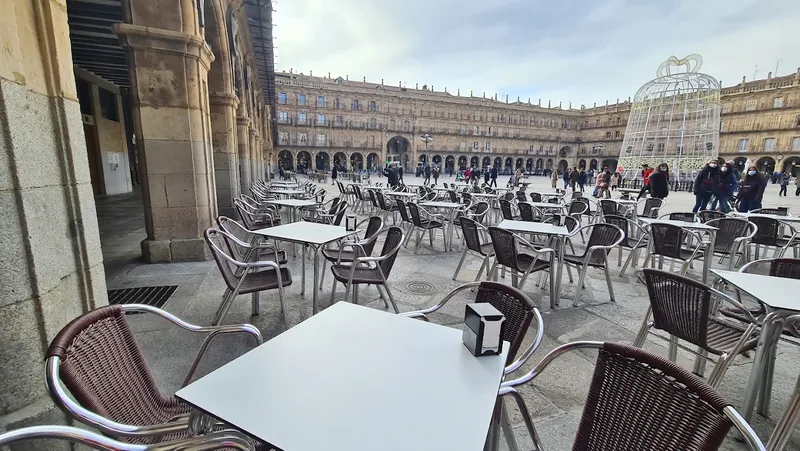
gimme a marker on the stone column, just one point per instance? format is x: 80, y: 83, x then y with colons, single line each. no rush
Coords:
x: 243, y: 132
x: 171, y: 120
x: 253, y: 151
x: 52, y: 267
x: 226, y: 159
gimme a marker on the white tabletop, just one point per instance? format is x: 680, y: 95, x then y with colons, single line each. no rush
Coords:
x: 441, y: 204
x: 357, y: 379
x: 401, y: 194
x: 683, y: 224
x: 296, y: 203
x: 533, y: 227
x: 290, y: 192
x: 778, y: 217
x: 542, y: 205
x: 484, y: 195
x: 306, y: 232
x: 780, y: 293
x: 551, y: 194
x: 628, y: 190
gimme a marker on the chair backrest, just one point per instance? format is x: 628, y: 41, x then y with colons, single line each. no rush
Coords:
x: 372, y: 198
x: 381, y: 200
x: 622, y: 223
x: 682, y: 216
x: 640, y: 401
x: 505, y: 209
x: 681, y: 306
x: 480, y: 209
x: 357, y: 192
x: 667, y: 239
x: 710, y: 215
x: 236, y: 229
x: 466, y: 197
x: 588, y: 205
x: 244, y: 213
x: 401, y: 207
x: 576, y: 207
x: 651, y: 207
x: 521, y: 196
x: 785, y: 267
x: 526, y: 211
x: 217, y: 242
x: 729, y: 229
x: 536, y: 197
x: 104, y: 369
x: 337, y: 220
x: 413, y: 209
x: 505, y: 247
x: 553, y: 200
x: 603, y: 234
x: 576, y: 194
x: 469, y: 228
x: 768, y: 230
x: 334, y: 204
x: 508, y: 196
x: 517, y: 308
x: 609, y: 207
x: 391, y: 247
x: 780, y: 211
x: 374, y: 225
x: 453, y: 196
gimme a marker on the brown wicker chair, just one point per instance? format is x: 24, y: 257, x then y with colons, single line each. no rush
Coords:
x: 638, y: 401
x: 603, y: 238
x: 244, y: 277
x: 629, y: 242
x: 429, y: 223
x: 471, y: 230
x: 732, y: 238
x: 683, y: 308
x: 668, y: 240
x: 347, y: 251
x: 216, y: 440
x: 97, y: 359
x: 259, y: 248
x: 370, y: 270
x: 771, y: 232
x: 520, y: 264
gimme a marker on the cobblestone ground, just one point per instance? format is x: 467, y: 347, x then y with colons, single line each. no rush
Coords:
x: 420, y: 279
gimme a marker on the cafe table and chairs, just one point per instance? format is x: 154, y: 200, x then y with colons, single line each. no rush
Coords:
x: 680, y: 241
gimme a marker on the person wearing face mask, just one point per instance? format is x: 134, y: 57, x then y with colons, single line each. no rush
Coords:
x: 705, y: 184
x: 725, y: 188
x: 659, y: 182
x: 751, y: 190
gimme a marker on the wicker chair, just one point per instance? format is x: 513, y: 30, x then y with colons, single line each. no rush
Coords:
x: 370, y: 270
x: 535, y: 197
x: 259, y: 248
x: 429, y: 223
x: 451, y: 194
x: 732, y: 238
x: 374, y: 201
x: 681, y: 216
x: 667, y: 241
x: 521, y: 196
x: 610, y: 207
x: 602, y: 239
x: 507, y: 209
x: 348, y: 250
x: 95, y: 357
x: 528, y: 212
x: 243, y: 277
x: 630, y: 241
x: 638, y: 401
x: 684, y: 308
x: 652, y: 206
x: 710, y: 215
x: 215, y: 440
x: 521, y: 265
x: 472, y: 230
x: 780, y: 211
x: 589, y: 212
x: 386, y: 208
x: 773, y: 233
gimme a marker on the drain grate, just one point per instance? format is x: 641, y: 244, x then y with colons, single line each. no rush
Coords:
x: 419, y: 287
x: 153, y: 296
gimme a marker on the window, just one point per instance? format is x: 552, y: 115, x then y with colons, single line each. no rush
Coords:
x: 750, y: 105
x: 336, y: 103
x: 608, y: 135
x: 796, y: 143
x: 301, y: 99
x: 302, y: 138
x: 502, y: 118
x: 283, y: 137
x: 726, y: 108
x: 355, y: 104
x: 488, y: 146
x: 489, y: 132
x: 769, y: 143
x: 322, y: 139
x: 616, y: 134
x: 302, y: 118
x: 320, y: 119
x: 722, y: 126
x: 463, y: 130
x: 283, y: 117
x: 373, y: 123
x: 660, y: 148
x: 321, y: 101
x: 108, y: 105
x: 619, y: 119
x: 339, y: 121
x: 777, y: 102
x: 476, y: 130
x: 282, y: 98
x: 597, y: 123
x: 392, y: 124
x: 406, y: 126
x: 744, y: 145
x: 475, y: 145
x: 373, y: 106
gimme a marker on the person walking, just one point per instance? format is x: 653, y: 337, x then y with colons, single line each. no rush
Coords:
x: 797, y: 186
x: 392, y: 176
x: 751, y: 190
x: 646, y: 172
x: 435, y: 174
x: 784, y: 184
x: 554, y: 179
x: 725, y: 188
x: 615, y: 181
x: 705, y: 184
x: 486, y: 176
x: 659, y: 182
x: 573, y: 178
x: 583, y: 178
x: 334, y: 174
x: 400, y: 173
x: 565, y: 176
x: 427, y: 171
x: 493, y: 176
x: 467, y: 175
x: 602, y: 184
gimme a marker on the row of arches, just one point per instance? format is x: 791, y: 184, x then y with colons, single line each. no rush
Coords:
x: 768, y: 164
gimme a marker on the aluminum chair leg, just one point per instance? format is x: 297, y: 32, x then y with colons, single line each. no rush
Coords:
x: 526, y: 417
x: 672, y: 353
x: 569, y: 273
x: 461, y: 262
x: 255, y: 304
x: 627, y: 262
x: 391, y: 298
x: 485, y: 264
x: 608, y: 281
x: 333, y: 290
x: 641, y: 336
x: 579, y: 287
x: 420, y: 235
x: 222, y: 310
x: 322, y: 274
x: 505, y: 425
x: 380, y: 292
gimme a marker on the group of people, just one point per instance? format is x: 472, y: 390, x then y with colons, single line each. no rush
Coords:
x: 475, y: 174
x: 717, y: 183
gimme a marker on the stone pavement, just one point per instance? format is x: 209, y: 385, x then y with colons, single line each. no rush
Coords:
x: 555, y: 399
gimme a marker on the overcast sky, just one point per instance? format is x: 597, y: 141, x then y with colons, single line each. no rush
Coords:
x: 582, y: 51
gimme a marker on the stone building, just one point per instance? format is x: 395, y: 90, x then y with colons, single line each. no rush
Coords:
x: 95, y: 97
x: 324, y: 120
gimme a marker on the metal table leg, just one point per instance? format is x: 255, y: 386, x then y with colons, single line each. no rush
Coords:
x: 303, y: 264
x: 316, y: 278
x: 556, y: 291
x: 773, y: 323
x: 786, y: 425
x: 709, y: 256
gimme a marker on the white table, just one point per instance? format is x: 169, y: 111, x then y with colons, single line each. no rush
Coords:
x: 307, y: 234
x: 547, y: 206
x: 288, y: 192
x: 628, y: 190
x: 708, y: 255
x: 539, y: 228
x: 778, y: 217
x: 453, y: 207
x: 402, y: 194
x: 292, y: 205
x: 778, y: 294
x: 357, y: 379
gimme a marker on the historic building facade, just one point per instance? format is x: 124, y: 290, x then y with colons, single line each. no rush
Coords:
x: 324, y: 121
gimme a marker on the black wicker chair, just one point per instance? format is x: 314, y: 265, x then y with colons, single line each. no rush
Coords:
x: 507, y: 209
x: 472, y: 231
x: 652, y: 206
x: 773, y: 233
x: 386, y: 208
x: 528, y: 212
x: 710, y: 215
x: 632, y: 241
x: 427, y: 224
x: 668, y: 241
x: 732, y: 238
x: 535, y: 197
x: 519, y: 264
x: 349, y: 250
x: 602, y: 239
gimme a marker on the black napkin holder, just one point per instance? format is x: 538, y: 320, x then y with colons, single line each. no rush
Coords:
x: 484, y: 332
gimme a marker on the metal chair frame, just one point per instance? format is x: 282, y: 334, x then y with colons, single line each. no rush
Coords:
x: 423, y: 225
x: 587, y: 256
x: 481, y: 230
x: 738, y: 244
x: 685, y: 235
x: 358, y: 245
x: 642, y: 242
x: 518, y: 278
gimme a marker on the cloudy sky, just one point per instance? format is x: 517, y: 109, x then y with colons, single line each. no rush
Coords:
x: 583, y: 51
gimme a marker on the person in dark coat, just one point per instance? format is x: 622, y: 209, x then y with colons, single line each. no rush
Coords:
x: 334, y: 174
x: 392, y: 176
x: 427, y: 172
x: 486, y: 176
x: 725, y: 188
x: 400, y: 174
x: 565, y: 177
x: 751, y: 190
x: 583, y: 178
x: 493, y: 176
x: 705, y: 184
x: 659, y: 182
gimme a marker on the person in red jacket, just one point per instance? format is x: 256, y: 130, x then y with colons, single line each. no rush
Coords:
x: 646, y: 172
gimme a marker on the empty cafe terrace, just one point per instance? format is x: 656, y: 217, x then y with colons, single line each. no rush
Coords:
x: 341, y: 316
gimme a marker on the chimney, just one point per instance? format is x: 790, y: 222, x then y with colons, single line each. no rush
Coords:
x: 347, y: 77
x: 458, y: 92
x: 517, y: 99
x: 506, y: 98
x: 416, y: 85
x: 559, y: 105
x: 744, y: 78
x: 310, y: 73
x: 365, y: 79
x: 470, y: 93
x: 329, y: 75
x: 570, y: 105
x: 769, y: 76
x: 548, y: 104
x: 495, y: 96
x: 529, y: 100
x: 400, y: 83
x: 540, y: 101
x: 484, y: 94
x: 431, y: 88
x: 381, y: 81
x: 595, y: 105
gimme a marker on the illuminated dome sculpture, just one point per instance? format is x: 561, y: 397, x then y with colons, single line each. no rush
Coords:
x: 674, y: 119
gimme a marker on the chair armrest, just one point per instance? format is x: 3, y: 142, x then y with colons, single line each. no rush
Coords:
x: 536, y: 370
x: 541, y: 250
x: 415, y: 314
x: 532, y: 347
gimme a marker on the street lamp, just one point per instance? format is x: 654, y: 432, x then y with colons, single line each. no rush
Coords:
x: 426, y: 138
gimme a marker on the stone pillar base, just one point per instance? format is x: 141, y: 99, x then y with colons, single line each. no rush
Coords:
x: 188, y: 250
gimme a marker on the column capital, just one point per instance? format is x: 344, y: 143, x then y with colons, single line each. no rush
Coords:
x: 150, y: 39
x: 223, y: 98
x: 243, y: 121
